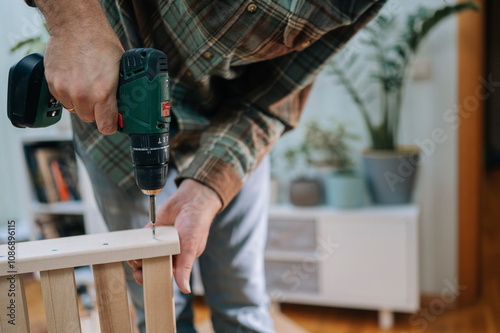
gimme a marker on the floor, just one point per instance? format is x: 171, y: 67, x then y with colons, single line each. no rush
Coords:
x: 482, y: 317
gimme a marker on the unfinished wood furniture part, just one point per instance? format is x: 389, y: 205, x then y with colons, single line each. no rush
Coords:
x: 56, y: 258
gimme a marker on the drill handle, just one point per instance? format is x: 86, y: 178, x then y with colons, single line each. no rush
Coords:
x: 143, y: 93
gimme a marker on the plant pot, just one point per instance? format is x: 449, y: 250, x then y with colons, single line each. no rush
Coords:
x: 391, y: 174
x: 345, y: 190
x: 306, y: 192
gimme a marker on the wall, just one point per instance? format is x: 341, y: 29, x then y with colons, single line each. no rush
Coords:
x: 425, y: 108
x: 17, y: 21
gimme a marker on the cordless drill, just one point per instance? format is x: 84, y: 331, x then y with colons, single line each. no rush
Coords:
x: 143, y: 111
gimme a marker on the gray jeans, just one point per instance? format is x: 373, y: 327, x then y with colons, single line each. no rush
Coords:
x: 232, y: 266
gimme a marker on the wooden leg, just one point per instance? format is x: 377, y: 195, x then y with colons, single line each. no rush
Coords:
x: 159, y: 295
x: 60, y: 301
x: 112, y: 301
x: 385, y: 319
x: 14, y: 316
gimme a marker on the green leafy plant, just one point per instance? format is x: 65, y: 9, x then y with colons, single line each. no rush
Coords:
x: 393, y: 57
x: 324, y: 146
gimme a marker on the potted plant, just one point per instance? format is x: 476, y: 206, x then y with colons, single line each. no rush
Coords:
x: 390, y: 168
x: 326, y: 148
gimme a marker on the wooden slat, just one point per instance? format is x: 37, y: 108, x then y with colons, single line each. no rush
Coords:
x: 60, y: 301
x: 158, y: 295
x: 14, y: 312
x: 470, y: 52
x: 57, y: 253
x: 112, y: 301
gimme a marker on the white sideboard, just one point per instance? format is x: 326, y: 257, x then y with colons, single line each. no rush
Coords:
x: 364, y: 258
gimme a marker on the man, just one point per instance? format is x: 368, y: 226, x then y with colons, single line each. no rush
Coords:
x: 240, y: 74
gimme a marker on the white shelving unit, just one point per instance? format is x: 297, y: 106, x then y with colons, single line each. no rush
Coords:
x: 61, y: 132
x: 68, y: 207
x: 365, y: 258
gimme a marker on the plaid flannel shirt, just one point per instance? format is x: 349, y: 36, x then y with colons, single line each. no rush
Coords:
x: 240, y: 74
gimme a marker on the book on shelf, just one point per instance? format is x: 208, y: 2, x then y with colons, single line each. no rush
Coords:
x: 61, y: 184
x: 53, y: 171
x: 43, y: 158
x: 59, y: 225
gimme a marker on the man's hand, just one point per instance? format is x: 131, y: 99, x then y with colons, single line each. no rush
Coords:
x: 82, y: 60
x: 191, y: 209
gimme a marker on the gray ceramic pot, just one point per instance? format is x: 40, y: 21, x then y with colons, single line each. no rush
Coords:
x: 391, y: 174
x: 306, y: 192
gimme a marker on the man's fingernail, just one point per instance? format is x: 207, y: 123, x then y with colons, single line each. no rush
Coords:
x: 187, y: 286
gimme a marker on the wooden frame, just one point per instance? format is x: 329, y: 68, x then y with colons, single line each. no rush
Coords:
x: 55, y: 259
x: 471, y: 62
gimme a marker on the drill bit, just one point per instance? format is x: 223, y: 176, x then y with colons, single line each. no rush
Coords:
x: 152, y: 213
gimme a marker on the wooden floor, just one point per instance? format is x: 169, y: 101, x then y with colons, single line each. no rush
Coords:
x: 482, y: 317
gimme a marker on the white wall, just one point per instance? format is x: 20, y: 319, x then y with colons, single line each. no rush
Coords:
x: 425, y: 104
x: 17, y: 21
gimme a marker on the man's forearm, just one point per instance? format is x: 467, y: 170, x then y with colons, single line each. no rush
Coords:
x: 61, y: 14
x: 82, y: 60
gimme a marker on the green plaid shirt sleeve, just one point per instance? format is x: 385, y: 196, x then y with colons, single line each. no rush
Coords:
x: 240, y: 74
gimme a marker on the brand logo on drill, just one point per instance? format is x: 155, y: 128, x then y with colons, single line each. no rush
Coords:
x: 165, y: 108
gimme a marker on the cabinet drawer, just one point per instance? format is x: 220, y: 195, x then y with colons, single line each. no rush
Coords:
x: 371, y: 262
x: 292, y: 276
x: 291, y: 235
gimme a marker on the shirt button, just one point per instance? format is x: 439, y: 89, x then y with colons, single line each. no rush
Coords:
x: 208, y: 55
x: 189, y: 74
x: 252, y: 8
x: 306, y: 44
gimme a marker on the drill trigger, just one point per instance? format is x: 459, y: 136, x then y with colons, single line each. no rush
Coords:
x: 120, y: 120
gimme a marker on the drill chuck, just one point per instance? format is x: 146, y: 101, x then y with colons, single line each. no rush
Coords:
x: 150, y: 155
